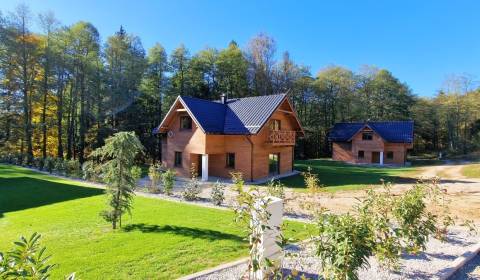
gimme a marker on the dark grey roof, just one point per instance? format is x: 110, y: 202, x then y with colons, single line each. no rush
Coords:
x: 238, y: 116
x: 390, y: 131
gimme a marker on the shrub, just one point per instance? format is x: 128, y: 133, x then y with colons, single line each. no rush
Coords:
x: 60, y: 167
x: 192, y: 190
x: 38, y: 163
x: 311, y: 180
x: 218, y: 193
x: 276, y: 189
x: 27, y: 261
x: 168, y: 180
x: 415, y: 223
x: 155, y: 177
x: 382, y: 225
x: 73, y: 168
x: 49, y: 164
x: 344, y: 245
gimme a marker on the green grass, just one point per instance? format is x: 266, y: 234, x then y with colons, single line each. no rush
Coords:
x: 161, y: 240
x: 336, y: 175
x: 471, y: 171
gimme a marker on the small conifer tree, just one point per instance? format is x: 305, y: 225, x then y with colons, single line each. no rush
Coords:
x: 117, y: 165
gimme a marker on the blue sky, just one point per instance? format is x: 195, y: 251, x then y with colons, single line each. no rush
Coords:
x: 421, y: 42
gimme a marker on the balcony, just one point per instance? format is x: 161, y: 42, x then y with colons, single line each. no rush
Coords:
x: 281, y: 137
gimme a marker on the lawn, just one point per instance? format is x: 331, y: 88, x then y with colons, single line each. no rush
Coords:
x: 471, y: 171
x: 161, y: 240
x: 336, y: 175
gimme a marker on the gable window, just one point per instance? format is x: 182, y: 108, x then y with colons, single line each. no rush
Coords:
x: 185, y: 123
x: 367, y: 136
x: 275, y: 125
x: 389, y: 155
x: 361, y: 154
x: 178, y: 159
x: 230, y: 160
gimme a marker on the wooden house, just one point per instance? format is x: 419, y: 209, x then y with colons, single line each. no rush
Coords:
x: 253, y: 135
x: 372, y: 142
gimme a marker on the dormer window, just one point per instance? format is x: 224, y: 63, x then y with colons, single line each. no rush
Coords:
x: 185, y: 123
x: 275, y: 125
x: 367, y: 136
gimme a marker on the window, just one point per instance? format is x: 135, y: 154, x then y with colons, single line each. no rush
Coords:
x: 185, y: 123
x: 367, y: 136
x: 361, y: 154
x: 275, y: 125
x: 389, y: 155
x: 230, y: 160
x: 178, y: 159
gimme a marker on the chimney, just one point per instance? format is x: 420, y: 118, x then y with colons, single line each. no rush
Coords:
x: 223, y: 98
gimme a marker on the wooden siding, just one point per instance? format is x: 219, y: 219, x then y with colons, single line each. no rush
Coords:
x: 194, y: 142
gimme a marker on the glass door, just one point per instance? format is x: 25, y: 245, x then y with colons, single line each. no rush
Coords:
x: 273, y: 164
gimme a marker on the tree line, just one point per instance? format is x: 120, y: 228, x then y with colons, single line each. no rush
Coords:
x: 63, y: 91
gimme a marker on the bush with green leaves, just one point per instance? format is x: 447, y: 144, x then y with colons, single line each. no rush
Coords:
x: 73, y: 168
x: 344, y: 245
x: 49, y: 164
x: 168, y: 181
x: 276, y: 188
x: 192, y: 190
x: 27, y: 260
x: 383, y: 225
x: 38, y: 163
x: 218, y: 193
x: 60, y: 166
x: 155, y: 176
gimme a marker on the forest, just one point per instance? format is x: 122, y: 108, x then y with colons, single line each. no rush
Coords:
x: 63, y: 90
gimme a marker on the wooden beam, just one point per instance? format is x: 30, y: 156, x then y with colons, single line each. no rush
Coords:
x: 181, y: 110
x: 285, y: 111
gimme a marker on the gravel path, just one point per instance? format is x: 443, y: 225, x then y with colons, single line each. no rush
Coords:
x: 427, y: 265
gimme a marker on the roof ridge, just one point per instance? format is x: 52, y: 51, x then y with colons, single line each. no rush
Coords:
x: 201, y: 99
x: 257, y: 96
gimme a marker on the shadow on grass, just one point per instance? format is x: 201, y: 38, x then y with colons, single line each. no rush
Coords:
x: 185, y: 231
x: 19, y: 193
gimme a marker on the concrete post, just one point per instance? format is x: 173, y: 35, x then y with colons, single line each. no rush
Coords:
x: 381, y: 158
x: 205, y: 167
x: 268, y: 248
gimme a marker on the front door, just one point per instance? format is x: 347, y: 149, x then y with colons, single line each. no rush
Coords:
x: 375, y: 157
x: 273, y: 164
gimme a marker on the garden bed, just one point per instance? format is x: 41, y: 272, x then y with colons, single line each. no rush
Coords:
x: 434, y: 263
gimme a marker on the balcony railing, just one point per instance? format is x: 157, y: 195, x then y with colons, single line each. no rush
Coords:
x: 281, y: 137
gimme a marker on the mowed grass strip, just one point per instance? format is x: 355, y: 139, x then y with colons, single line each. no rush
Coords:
x: 161, y: 240
x: 337, y: 176
x: 471, y: 171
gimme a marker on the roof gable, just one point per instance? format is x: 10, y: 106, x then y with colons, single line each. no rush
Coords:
x: 390, y: 131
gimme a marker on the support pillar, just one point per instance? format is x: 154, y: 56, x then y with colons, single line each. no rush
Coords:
x: 381, y: 158
x: 205, y: 167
